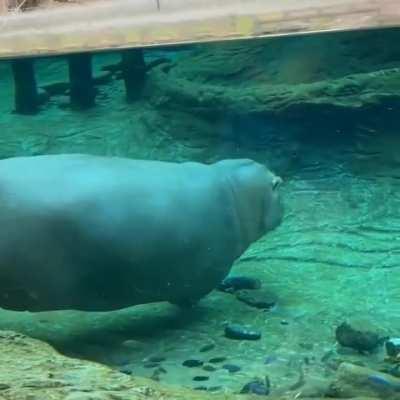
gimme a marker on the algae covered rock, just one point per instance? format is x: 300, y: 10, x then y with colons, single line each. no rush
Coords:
x: 288, y: 78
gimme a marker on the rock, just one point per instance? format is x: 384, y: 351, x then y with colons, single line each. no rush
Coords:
x: 201, y: 378
x: 31, y: 369
x: 209, y: 368
x: 207, y: 347
x: 192, y: 363
x: 353, y: 380
x: 232, y: 368
x: 362, y: 341
x: 393, y: 347
x: 257, y: 387
x: 270, y: 88
x: 234, y: 283
x: 240, y: 332
x: 216, y: 360
x: 256, y: 299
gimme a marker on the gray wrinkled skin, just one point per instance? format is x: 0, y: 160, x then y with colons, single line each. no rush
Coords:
x: 100, y: 233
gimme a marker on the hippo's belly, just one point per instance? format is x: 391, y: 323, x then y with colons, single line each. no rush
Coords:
x: 108, y: 238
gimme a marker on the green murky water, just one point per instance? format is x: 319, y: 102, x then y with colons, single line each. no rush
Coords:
x: 321, y: 112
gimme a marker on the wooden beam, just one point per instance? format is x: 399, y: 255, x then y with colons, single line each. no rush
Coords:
x: 112, y: 24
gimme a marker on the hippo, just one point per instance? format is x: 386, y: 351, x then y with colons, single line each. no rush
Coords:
x: 97, y: 233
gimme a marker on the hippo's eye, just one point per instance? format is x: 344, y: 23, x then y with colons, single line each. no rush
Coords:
x: 276, y: 182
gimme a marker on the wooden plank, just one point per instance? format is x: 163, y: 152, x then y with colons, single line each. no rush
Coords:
x: 113, y: 24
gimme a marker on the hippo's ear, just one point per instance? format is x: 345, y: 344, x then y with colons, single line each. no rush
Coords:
x: 276, y: 182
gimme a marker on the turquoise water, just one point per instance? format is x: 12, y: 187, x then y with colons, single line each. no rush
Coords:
x: 319, y: 111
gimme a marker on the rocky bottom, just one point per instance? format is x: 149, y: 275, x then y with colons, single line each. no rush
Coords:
x: 31, y: 369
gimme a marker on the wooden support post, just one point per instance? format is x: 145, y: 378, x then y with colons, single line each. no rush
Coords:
x: 82, y: 91
x: 133, y: 73
x: 26, y: 93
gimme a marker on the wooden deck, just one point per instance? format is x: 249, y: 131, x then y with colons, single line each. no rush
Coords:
x: 92, y: 25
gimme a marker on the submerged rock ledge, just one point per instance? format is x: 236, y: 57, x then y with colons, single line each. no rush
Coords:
x: 32, y: 369
x: 351, y: 92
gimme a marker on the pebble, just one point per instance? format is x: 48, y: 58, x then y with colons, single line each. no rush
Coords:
x: 256, y: 299
x: 257, y: 387
x: 232, y: 368
x: 217, y: 360
x: 209, y: 368
x: 240, y: 332
x: 201, y: 378
x: 192, y: 363
x: 207, y: 347
x: 234, y: 283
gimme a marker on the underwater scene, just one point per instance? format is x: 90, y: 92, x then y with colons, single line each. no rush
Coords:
x: 211, y: 221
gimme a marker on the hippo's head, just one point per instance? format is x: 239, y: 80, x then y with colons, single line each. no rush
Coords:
x: 256, y: 198
x: 273, y: 211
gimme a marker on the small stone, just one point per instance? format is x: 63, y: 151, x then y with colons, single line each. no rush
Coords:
x: 209, y: 368
x: 201, y: 378
x: 234, y: 283
x: 200, y: 388
x: 207, y: 347
x: 217, y: 360
x: 257, y: 387
x: 256, y: 299
x: 232, y: 368
x: 240, y: 332
x: 192, y: 363
x: 284, y: 322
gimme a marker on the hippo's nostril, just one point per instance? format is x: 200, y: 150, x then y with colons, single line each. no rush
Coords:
x: 276, y: 182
